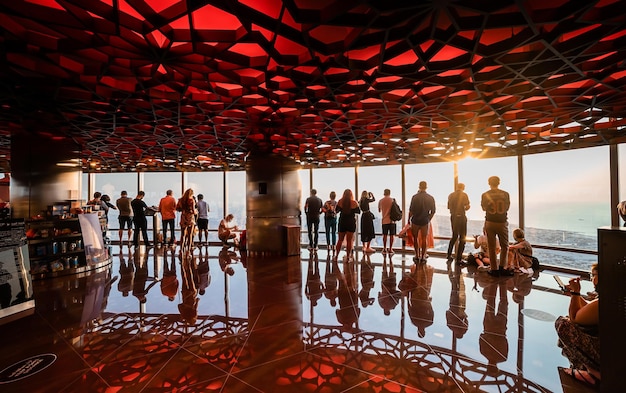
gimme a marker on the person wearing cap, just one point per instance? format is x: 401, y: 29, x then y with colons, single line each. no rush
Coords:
x: 421, y: 211
x: 458, y: 203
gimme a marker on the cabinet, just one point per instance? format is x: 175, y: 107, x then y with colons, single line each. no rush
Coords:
x: 66, y: 244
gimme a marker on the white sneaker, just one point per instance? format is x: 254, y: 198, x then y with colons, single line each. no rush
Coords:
x: 530, y: 271
x: 483, y: 267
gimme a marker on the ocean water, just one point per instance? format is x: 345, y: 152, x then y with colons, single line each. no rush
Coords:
x: 582, y: 218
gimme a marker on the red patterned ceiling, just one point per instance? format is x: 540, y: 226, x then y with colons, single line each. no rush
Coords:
x: 173, y: 84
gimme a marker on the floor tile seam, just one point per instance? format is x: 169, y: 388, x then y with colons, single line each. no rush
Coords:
x: 263, y: 364
x: 67, y: 343
x: 251, y: 327
x: 157, y: 372
x: 374, y: 376
x: 80, y: 376
x: 240, y: 380
x: 126, y: 342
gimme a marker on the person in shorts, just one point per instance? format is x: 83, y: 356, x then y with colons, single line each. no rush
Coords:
x: 125, y: 218
x: 203, y: 219
x: 389, y: 226
x: 421, y: 211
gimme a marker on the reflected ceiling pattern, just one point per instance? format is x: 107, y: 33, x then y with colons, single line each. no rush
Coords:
x: 217, y: 340
x: 180, y: 85
x: 262, y: 329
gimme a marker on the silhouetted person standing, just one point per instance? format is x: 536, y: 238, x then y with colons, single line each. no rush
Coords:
x: 139, y: 218
x: 496, y: 203
x: 421, y: 211
x: 125, y: 217
x: 458, y: 203
x: 312, y: 209
x: 167, y: 207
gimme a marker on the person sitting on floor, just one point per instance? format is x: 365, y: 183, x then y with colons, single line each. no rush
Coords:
x: 579, y: 336
x: 520, y: 253
x: 225, y: 231
x: 481, y: 258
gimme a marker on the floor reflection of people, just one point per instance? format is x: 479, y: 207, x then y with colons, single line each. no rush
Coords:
x: 331, y: 281
x: 367, y: 281
x: 493, y: 341
x: 420, y: 303
x: 169, y: 282
x: 520, y: 286
x: 188, y: 308
x: 314, y: 288
x: 389, y: 295
x: 127, y: 273
x: 226, y: 259
x: 204, y: 272
x: 456, y: 317
x: 140, y: 291
x: 348, y: 312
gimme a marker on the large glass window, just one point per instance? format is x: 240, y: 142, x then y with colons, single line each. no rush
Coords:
x: 84, y: 187
x: 236, y: 201
x: 155, y: 184
x: 336, y: 179
x: 621, y: 152
x: 440, y: 180
x: 474, y: 173
x: 305, y: 189
x: 305, y: 192
x: 567, y: 197
x: 375, y: 179
x: 112, y: 184
x: 211, y: 186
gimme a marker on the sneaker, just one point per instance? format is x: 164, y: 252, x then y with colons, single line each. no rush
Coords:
x: 530, y: 271
x: 483, y: 268
x: 390, y: 251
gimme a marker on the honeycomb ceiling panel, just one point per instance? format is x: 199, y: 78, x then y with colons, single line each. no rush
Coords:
x: 178, y: 85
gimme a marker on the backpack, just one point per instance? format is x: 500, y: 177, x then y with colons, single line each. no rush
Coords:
x: 395, y: 214
x: 535, y: 265
x: 535, y: 262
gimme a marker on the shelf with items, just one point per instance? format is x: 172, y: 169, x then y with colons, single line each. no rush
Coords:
x: 57, y: 245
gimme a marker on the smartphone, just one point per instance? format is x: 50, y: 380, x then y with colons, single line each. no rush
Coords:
x: 560, y: 283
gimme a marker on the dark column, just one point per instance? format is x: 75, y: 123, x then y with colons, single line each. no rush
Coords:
x: 273, y: 203
x: 44, y: 170
x: 612, y: 304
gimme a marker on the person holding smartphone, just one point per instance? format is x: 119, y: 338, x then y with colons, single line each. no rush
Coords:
x: 579, y: 335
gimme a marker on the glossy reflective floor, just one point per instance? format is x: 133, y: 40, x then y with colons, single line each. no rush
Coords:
x: 220, y: 322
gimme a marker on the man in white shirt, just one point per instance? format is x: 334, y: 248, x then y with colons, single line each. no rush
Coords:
x: 389, y: 226
x: 203, y: 219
